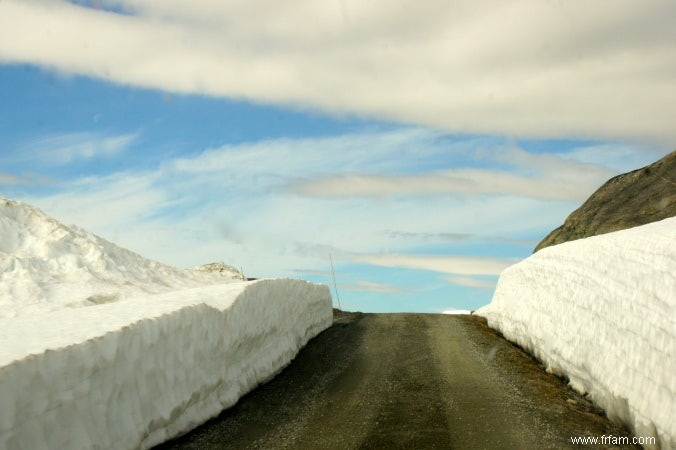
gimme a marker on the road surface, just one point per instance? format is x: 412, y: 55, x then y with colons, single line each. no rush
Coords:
x: 406, y: 381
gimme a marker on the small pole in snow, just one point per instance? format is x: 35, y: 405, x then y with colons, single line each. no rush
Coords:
x: 335, y: 286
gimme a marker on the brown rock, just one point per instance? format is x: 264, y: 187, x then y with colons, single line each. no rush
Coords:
x: 625, y: 201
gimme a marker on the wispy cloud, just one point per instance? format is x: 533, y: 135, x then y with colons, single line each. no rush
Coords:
x: 375, y: 150
x: 107, y: 203
x: 318, y: 273
x: 617, y: 157
x: 541, y: 176
x: 370, y: 286
x: 435, y: 237
x: 472, y: 282
x: 9, y: 179
x: 68, y: 148
x: 28, y: 179
x: 465, y: 182
x: 521, y: 67
x: 232, y: 203
x: 463, y: 265
x: 457, y: 237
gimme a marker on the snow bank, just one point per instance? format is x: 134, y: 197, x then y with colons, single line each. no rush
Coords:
x: 102, y: 348
x: 132, y: 374
x: 601, y: 312
x: 456, y: 311
x: 46, y: 266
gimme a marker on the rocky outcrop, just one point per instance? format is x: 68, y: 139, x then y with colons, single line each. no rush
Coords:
x: 625, y: 201
x: 220, y: 268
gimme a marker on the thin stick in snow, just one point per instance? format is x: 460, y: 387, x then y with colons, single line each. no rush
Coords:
x: 335, y: 286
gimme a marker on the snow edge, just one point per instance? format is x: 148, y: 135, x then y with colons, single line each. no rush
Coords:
x: 156, y: 377
x: 599, y: 311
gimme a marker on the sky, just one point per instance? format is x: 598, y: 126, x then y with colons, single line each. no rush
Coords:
x: 415, y: 150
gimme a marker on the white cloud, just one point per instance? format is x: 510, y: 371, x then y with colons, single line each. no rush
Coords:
x: 327, y: 274
x: 106, y: 204
x: 472, y: 282
x: 458, y: 237
x: 540, y: 176
x: 370, y: 286
x: 619, y: 158
x: 376, y: 150
x: 232, y: 204
x: 522, y: 67
x: 463, y: 265
x: 467, y: 182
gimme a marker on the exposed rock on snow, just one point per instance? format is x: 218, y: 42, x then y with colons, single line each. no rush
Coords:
x: 157, y: 352
x: 628, y: 200
x: 601, y: 312
x: 220, y: 268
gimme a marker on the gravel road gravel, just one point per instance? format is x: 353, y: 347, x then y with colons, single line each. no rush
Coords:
x: 406, y: 381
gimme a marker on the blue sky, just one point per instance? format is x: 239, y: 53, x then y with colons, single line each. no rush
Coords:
x: 425, y: 150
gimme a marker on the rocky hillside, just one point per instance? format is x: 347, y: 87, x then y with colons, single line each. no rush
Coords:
x: 628, y: 200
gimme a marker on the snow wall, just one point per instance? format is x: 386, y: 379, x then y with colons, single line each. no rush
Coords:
x: 134, y: 373
x: 601, y: 312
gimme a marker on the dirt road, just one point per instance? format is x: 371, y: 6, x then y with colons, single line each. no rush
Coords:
x: 406, y: 381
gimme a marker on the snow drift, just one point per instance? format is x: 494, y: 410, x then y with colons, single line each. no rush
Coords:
x: 166, y: 351
x: 600, y: 311
x: 46, y: 265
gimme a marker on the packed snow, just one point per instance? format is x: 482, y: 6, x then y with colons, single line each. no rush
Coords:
x: 452, y: 311
x: 102, y: 348
x: 600, y: 311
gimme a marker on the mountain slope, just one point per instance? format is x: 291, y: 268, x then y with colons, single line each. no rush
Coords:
x: 46, y: 265
x: 635, y: 198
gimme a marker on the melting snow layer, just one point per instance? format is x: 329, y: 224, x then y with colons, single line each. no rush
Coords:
x: 167, y: 351
x: 601, y: 312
